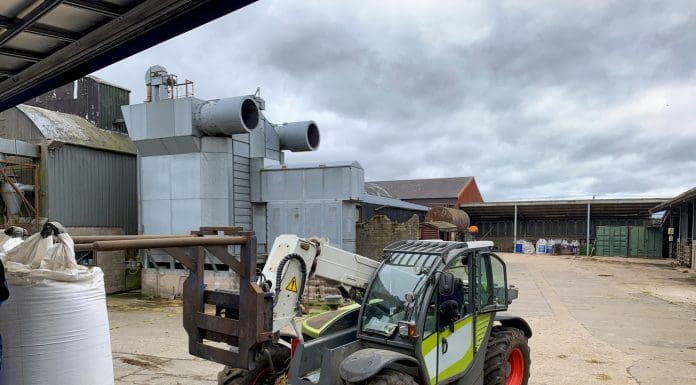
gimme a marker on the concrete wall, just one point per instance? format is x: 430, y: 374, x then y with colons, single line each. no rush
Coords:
x: 169, y: 283
x: 374, y: 235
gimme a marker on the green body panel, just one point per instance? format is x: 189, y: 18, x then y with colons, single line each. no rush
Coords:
x: 482, y: 323
x: 430, y: 345
x: 315, y: 326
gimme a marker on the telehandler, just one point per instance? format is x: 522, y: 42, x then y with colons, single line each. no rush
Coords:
x: 430, y: 313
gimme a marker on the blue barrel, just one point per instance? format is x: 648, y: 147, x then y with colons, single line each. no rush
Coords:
x: 518, y: 247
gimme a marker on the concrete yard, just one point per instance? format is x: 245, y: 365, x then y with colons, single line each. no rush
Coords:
x: 596, y: 321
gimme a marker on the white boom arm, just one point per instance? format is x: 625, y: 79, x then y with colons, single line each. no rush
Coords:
x: 337, y: 266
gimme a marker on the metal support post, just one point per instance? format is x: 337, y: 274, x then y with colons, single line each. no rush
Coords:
x: 588, y: 231
x: 514, y: 231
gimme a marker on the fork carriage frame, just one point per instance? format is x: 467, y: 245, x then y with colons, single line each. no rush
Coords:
x: 246, y: 339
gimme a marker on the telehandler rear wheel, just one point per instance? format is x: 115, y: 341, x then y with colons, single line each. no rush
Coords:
x: 391, y: 377
x: 507, y: 357
x: 262, y: 375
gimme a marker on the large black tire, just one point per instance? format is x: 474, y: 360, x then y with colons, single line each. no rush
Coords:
x: 391, y: 377
x: 261, y: 375
x: 507, y: 350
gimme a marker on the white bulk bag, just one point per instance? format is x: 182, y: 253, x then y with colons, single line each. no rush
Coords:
x: 54, y: 326
x: 8, y: 243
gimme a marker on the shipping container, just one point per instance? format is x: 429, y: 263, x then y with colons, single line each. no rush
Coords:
x: 612, y: 241
x: 645, y: 242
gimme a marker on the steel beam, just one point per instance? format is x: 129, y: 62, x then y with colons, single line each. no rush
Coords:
x: 78, y: 239
x: 40, y: 29
x: 20, y: 54
x: 160, y: 243
x: 100, y: 7
x: 26, y: 21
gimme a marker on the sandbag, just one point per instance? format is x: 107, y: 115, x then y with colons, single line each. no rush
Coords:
x: 54, y: 326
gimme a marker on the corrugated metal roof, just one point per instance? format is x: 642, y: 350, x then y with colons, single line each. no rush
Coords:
x: 102, y: 81
x: 681, y: 198
x: 44, y: 44
x: 391, y: 202
x: 418, y: 188
x: 72, y: 129
x: 604, y: 208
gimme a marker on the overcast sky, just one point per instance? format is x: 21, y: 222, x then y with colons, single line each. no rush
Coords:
x: 534, y: 99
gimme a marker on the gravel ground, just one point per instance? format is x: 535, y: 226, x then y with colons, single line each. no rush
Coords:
x: 606, y: 321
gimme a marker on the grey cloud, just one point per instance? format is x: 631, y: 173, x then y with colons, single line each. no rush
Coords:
x: 523, y: 96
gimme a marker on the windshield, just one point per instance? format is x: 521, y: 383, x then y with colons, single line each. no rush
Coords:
x: 402, y: 276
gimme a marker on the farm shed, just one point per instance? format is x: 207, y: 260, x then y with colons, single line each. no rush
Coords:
x: 507, y: 222
x: 678, y: 216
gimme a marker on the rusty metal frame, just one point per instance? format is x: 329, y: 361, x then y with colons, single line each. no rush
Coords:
x: 242, y: 319
x: 35, y: 207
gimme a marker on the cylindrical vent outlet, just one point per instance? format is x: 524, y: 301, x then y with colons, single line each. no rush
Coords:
x: 299, y: 136
x: 228, y: 116
x: 445, y: 214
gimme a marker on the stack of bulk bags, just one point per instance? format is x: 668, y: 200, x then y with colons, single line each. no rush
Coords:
x: 54, y: 326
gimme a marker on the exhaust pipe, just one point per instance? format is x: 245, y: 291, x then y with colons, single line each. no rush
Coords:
x: 299, y: 136
x: 228, y: 116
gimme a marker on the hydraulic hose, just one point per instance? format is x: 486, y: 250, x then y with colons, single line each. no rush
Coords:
x: 279, y: 275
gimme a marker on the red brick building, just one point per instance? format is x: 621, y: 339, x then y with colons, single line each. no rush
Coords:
x: 448, y: 192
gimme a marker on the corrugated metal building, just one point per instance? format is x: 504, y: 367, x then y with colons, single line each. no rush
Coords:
x: 90, y: 174
x: 90, y: 97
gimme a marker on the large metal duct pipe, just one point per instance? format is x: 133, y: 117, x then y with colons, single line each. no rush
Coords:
x: 228, y: 116
x: 299, y: 136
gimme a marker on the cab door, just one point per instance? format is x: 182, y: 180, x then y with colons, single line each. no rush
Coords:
x: 490, y: 293
x: 447, y: 345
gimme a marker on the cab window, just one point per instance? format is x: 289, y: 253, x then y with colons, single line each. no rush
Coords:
x: 491, y: 284
x: 459, y: 267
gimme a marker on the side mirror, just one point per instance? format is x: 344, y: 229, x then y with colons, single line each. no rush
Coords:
x: 446, y: 284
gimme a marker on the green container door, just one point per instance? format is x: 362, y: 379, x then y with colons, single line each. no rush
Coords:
x: 612, y: 241
x: 653, y: 248
x: 619, y: 241
x: 645, y: 242
x: 603, y: 241
x: 637, y: 241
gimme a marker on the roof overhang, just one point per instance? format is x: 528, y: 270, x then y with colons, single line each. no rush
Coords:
x: 563, y: 209
x: 57, y: 47
x: 678, y: 200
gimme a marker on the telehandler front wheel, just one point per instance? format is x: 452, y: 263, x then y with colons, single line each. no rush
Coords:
x: 507, y: 357
x: 391, y: 377
x: 263, y: 374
